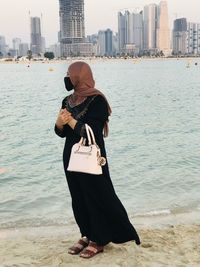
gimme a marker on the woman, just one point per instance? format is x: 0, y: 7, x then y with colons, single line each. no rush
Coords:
x: 98, y: 212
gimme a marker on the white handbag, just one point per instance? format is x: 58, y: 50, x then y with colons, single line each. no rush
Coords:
x: 86, y: 159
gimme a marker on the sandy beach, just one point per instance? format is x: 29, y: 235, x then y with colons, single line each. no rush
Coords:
x: 103, y: 59
x: 171, y: 246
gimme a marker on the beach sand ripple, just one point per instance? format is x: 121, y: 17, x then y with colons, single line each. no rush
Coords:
x: 172, y: 246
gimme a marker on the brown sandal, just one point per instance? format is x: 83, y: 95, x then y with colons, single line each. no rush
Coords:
x: 91, y: 250
x: 78, y: 247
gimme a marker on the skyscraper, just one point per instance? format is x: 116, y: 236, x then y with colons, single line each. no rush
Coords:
x: 16, y: 43
x: 130, y: 30
x: 163, y: 32
x: 23, y: 49
x: 43, y: 44
x: 109, y: 42
x: 101, y: 43
x: 137, y: 35
x: 128, y: 27
x: 193, y: 38
x: 150, y: 26
x: 72, y: 24
x: 36, y: 37
x: 180, y: 36
x: 2, y: 46
x: 72, y: 29
x: 121, y: 30
x: 105, y: 42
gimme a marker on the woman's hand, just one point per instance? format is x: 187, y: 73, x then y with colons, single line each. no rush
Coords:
x: 64, y: 117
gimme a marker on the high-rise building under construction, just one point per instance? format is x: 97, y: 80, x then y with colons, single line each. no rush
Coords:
x: 72, y: 26
x: 72, y: 29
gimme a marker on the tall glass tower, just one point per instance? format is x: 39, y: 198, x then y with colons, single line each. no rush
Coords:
x: 72, y: 24
x: 36, y: 38
x: 150, y: 26
x: 163, y: 31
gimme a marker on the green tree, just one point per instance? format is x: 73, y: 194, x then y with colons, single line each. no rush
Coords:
x: 49, y: 55
x: 29, y: 54
x: 162, y: 54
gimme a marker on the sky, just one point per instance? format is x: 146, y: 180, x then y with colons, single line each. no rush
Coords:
x: 99, y: 15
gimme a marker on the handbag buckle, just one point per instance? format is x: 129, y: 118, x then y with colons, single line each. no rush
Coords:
x: 101, y: 160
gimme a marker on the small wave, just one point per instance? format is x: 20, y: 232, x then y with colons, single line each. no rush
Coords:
x: 193, y: 206
x: 153, y: 213
x: 38, y: 222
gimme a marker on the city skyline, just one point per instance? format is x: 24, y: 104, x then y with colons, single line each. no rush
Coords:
x: 14, y: 21
x: 146, y: 32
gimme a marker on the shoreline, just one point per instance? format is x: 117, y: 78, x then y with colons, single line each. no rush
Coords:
x: 151, y: 220
x: 171, y: 246
x: 59, y: 61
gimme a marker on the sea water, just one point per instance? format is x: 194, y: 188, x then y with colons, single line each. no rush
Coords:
x: 153, y: 146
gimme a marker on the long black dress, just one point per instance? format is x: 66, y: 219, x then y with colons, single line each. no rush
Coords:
x: 97, y: 210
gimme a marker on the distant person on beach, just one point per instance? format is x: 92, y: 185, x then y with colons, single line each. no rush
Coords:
x: 98, y: 211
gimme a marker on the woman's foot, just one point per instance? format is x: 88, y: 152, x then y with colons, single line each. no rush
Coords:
x: 79, y: 246
x: 91, y: 250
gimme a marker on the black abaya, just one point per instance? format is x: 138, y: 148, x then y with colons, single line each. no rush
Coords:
x: 98, y: 211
